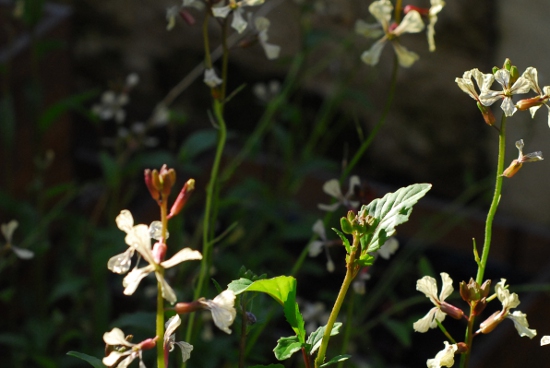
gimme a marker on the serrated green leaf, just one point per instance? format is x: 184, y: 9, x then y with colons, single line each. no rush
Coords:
x: 94, y: 362
x: 314, y: 339
x: 286, y: 346
x: 391, y: 210
x: 336, y: 359
x: 344, y: 239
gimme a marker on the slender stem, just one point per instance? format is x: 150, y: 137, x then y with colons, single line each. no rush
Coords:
x: 494, y: 203
x: 351, y: 271
x: 207, y: 221
x: 206, y: 40
x: 465, y: 358
x: 160, y: 300
x: 445, y: 332
x: 306, y: 358
x: 242, y: 342
x: 225, y: 62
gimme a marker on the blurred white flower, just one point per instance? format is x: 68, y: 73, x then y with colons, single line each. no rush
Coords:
x: 236, y: 7
x: 444, y: 358
x: 111, y: 106
x: 262, y: 26
x: 170, y: 339
x: 317, y: 246
x: 7, y: 231
x: 315, y: 315
x: 265, y: 92
x: 211, y: 79
x: 389, y: 248
x: 545, y: 340
x: 435, y: 8
x: 124, y: 348
x: 411, y: 23
x: 332, y: 188
x: 222, y: 309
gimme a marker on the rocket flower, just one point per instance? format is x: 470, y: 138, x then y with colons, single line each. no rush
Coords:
x: 483, y: 82
x: 518, y: 163
x: 7, y: 231
x: 236, y: 7
x: 534, y: 103
x: 504, y: 78
x: 170, y: 340
x: 121, y: 352
x: 332, y: 188
x: 411, y: 23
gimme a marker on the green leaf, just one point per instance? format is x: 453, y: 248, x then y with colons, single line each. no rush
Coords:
x: 366, y: 260
x: 283, y: 290
x: 286, y: 346
x: 344, y: 239
x: 316, y: 336
x: 391, y: 210
x: 336, y: 359
x: 95, y: 362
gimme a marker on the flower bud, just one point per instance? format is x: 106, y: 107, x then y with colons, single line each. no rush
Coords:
x: 167, y: 178
x: 451, y: 310
x: 507, y: 64
x: 182, y: 198
x: 514, y: 74
x: 490, y: 323
x: 346, y: 225
x: 527, y: 103
x: 479, y: 307
x: 485, y: 289
x: 148, y: 343
x: 149, y: 183
x: 159, y: 252
x: 512, y: 169
x: 487, y: 114
x: 461, y: 348
x: 183, y: 308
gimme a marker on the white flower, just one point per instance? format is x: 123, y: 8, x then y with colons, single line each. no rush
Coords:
x: 428, y: 286
x: 115, y: 337
x: 265, y: 92
x: 502, y: 76
x: 435, y: 8
x: 138, y: 238
x: 238, y: 23
x: 483, y: 81
x: 315, y: 315
x: 536, y: 102
x: 111, y: 106
x: 7, y: 231
x: 510, y: 301
x: 389, y: 248
x: 170, y: 339
x: 545, y: 340
x: 444, y: 358
x: 411, y: 23
x: 359, y: 284
x: 332, y: 188
x: 262, y: 25
x: 518, y: 163
x: 317, y: 246
x: 222, y: 309
x: 211, y: 79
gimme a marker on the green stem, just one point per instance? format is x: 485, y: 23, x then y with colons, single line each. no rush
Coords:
x: 207, y: 221
x: 160, y: 299
x: 465, y: 358
x: 351, y: 271
x: 494, y: 204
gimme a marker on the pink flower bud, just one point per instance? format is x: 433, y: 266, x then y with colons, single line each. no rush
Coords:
x: 490, y: 323
x: 527, y: 103
x: 148, y: 343
x: 148, y: 175
x: 183, y: 308
x: 159, y: 252
x: 451, y: 310
x: 182, y: 198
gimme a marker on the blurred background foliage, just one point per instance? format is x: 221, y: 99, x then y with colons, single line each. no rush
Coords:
x: 68, y: 168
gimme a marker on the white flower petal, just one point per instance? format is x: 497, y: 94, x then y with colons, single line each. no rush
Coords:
x: 444, y: 358
x: 411, y: 23
x: 545, y: 340
x: 428, y: 286
x: 134, y: 277
x: 238, y: 23
x: 425, y: 323
x: 223, y: 310
x: 382, y: 11
x: 8, y: 229
x: 211, y: 79
x: 508, y: 106
x: 116, y: 337
x: 167, y: 291
x: 315, y: 248
x: 186, y: 254
x: 405, y: 57
x: 221, y: 11
x: 138, y: 238
x: 389, y: 248
x: 186, y: 350
x: 113, y: 357
x: 372, y: 55
x: 332, y: 188
x: 447, y: 288
x: 368, y: 30
x: 171, y: 325
x: 521, y: 324
x: 22, y: 253
x: 121, y: 262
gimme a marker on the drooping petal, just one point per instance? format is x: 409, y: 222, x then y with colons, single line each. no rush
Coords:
x: 223, y: 310
x: 411, y: 23
x: 436, y: 7
x: 426, y: 322
x: 186, y: 254
x: 121, y: 262
x: 138, y: 237
x: 167, y: 291
x: 444, y: 358
x: 315, y: 248
x: 134, y: 277
x: 238, y: 23
x: 221, y: 11
x: 405, y: 57
x: 372, y: 55
x: 170, y: 327
x: 428, y: 286
x: 185, y: 348
x: 521, y: 324
x: 508, y: 106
